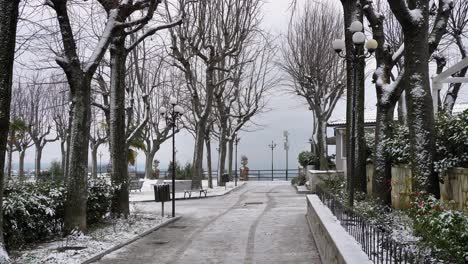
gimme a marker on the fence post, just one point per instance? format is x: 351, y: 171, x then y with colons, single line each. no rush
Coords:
x: 258, y: 175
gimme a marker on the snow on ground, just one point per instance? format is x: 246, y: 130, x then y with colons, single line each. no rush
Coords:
x: 147, y: 192
x: 144, y: 216
x: 101, y: 238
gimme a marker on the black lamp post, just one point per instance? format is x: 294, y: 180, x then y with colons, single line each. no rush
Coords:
x: 236, y: 142
x: 286, y: 148
x: 171, y: 117
x: 272, y: 146
x: 339, y: 45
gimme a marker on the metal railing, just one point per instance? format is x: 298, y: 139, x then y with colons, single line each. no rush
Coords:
x: 254, y: 175
x: 375, y: 240
x: 273, y: 175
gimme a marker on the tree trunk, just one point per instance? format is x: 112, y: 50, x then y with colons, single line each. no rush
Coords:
x: 198, y: 155
x: 37, y: 163
x: 94, y: 164
x: 202, y: 127
x: 351, y: 14
x: 75, y: 205
x: 208, y: 162
x: 402, y: 111
x: 381, y: 181
x: 230, y: 156
x: 118, y: 145
x: 222, y: 158
x: 21, y: 165
x: 452, y: 93
x: 10, y: 161
x: 149, y: 164
x: 420, y: 108
x: 64, y: 158
x: 321, y: 143
x: 8, y: 22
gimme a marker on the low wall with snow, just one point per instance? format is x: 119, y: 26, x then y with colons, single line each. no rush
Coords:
x: 335, y: 245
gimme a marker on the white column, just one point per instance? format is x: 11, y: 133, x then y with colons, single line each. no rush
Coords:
x: 436, y: 87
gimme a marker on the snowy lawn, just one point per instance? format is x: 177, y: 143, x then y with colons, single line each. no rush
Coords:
x: 100, y: 238
x: 147, y: 192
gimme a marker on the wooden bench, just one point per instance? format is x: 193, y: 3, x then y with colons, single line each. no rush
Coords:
x: 135, y: 185
x: 186, y: 187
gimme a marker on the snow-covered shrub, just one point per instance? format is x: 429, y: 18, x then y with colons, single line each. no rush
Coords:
x: 306, y: 158
x: 32, y: 212
x: 442, y: 229
x: 35, y: 212
x: 370, y: 144
x: 99, y: 200
x: 398, y: 146
x: 451, y: 141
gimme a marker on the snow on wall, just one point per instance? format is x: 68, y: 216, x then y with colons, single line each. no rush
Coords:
x: 335, y: 245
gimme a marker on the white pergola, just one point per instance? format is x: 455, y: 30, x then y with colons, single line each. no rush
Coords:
x: 446, y: 77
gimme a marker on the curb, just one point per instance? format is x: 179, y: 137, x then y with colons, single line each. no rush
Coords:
x: 196, y: 198
x: 307, y: 191
x: 114, y: 248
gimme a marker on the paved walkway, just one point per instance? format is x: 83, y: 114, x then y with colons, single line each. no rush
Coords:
x: 260, y: 223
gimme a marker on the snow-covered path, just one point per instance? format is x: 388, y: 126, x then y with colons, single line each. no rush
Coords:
x: 263, y: 222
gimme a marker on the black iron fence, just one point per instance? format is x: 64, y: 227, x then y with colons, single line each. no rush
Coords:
x: 254, y: 175
x: 273, y: 175
x: 375, y: 240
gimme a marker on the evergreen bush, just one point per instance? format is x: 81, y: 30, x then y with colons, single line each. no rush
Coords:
x: 35, y: 212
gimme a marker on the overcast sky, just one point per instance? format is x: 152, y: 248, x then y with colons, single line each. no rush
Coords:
x: 287, y: 113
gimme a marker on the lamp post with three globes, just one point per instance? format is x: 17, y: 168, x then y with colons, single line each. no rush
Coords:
x: 171, y: 116
x: 339, y: 45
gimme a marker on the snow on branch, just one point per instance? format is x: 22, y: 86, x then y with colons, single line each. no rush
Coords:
x: 104, y: 41
x: 152, y: 31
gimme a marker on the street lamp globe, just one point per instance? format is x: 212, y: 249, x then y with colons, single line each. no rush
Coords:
x: 372, y: 45
x: 338, y: 45
x: 162, y: 110
x: 178, y: 109
x: 359, y: 38
x: 356, y: 26
x: 172, y: 101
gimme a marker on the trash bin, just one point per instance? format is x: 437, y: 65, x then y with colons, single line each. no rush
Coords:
x: 225, y: 178
x: 161, y: 193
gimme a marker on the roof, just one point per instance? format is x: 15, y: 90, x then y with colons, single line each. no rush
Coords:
x: 460, y: 107
x: 370, y: 116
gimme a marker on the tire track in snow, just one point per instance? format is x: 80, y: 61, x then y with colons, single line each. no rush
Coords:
x: 180, y: 252
x: 250, y: 247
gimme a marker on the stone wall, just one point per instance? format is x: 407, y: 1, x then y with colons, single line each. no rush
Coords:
x: 401, y: 187
x: 334, y: 244
x: 454, y: 187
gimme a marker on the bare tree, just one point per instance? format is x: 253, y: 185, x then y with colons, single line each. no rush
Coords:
x: 120, y: 137
x: 8, y: 23
x: 211, y: 32
x: 79, y: 74
x: 39, y: 119
x: 388, y: 88
x: 150, y: 75
x: 247, y: 94
x: 97, y: 137
x: 19, y: 135
x: 458, y: 32
x: 316, y: 73
x: 413, y: 17
x: 60, y: 104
